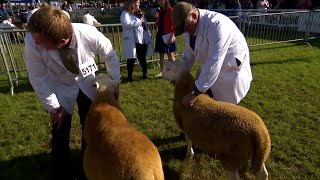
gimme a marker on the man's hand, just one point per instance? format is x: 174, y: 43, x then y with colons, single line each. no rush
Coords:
x: 58, y: 115
x: 189, y: 99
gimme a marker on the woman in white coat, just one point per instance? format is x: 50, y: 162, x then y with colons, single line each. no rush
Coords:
x: 62, y: 79
x: 136, y: 37
x: 216, y: 43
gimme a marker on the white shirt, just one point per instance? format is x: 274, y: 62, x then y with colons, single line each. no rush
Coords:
x: 7, y: 25
x: 53, y: 83
x: 88, y: 19
x: 218, y: 44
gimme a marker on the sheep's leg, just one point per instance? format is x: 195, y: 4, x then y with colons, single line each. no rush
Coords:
x: 190, y: 152
x: 263, y: 175
x: 233, y: 175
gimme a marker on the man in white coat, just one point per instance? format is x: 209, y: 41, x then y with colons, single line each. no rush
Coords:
x: 59, y: 58
x: 216, y: 43
x: 89, y: 19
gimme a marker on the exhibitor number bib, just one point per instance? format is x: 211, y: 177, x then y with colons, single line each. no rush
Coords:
x: 88, y: 68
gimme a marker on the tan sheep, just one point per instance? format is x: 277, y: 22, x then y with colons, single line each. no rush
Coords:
x: 231, y: 132
x: 115, y: 150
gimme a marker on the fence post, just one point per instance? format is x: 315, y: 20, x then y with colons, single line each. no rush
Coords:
x: 308, y: 28
x: 5, y: 63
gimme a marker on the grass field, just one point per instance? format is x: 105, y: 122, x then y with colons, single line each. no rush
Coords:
x: 285, y: 92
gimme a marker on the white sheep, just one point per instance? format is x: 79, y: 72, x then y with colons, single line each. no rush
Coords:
x: 115, y: 150
x: 231, y: 132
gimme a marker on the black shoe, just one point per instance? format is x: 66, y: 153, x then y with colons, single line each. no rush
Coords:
x: 144, y: 76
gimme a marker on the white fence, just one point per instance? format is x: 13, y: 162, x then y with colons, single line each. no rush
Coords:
x: 259, y: 28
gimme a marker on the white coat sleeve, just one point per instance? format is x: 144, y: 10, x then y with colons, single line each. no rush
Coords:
x: 38, y: 75
x: 127, y: 22
x: 108, y: 54
x: 219, y: 39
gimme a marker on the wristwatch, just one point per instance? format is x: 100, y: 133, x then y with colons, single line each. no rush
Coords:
x: 195, y: 91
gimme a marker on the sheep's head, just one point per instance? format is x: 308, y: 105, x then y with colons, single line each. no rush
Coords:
x: 104, y: 81
x: 172, y: 69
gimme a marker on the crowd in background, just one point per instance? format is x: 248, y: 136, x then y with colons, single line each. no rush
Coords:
x: 13, y: 13
x: 255, y: 4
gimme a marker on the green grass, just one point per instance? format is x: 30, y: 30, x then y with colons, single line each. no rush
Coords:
x: 285, y: 92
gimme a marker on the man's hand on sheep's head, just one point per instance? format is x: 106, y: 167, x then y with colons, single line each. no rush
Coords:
x: 189, y: 99
x: 58, y: 115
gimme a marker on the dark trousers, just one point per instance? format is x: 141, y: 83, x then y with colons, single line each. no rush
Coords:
x: 141, y: 50
x: 60, y: 139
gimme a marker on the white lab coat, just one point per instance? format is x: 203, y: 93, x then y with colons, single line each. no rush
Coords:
x: 53, y: 83
x: 129, y: 23
x: 219, y: 43
x: 89, y: 19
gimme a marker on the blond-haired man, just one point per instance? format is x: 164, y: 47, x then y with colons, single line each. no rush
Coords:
x: 59, y: 58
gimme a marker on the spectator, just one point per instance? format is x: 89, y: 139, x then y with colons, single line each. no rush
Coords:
x: 165, y: 27
x: 236, y: 5
x: 89, y: 19
x: 263, y: 4
x: 37, y: 7
x: 66, y: 6
x: 133, y: 26
x: 215, y: 4
x: 220, y: 49
x: 228, y: 4
x: 303, y: 4
x: 3, y: 12
x: 23, y: 16
x: 315, y: 4
x: 7, y: 23
x: 247, y: 4
x: 59, y: 58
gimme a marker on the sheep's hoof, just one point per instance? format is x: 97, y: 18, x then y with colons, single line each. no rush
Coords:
x: 190, y: 154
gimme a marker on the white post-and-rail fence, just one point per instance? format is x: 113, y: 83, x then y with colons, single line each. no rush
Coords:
x: 260, y: 28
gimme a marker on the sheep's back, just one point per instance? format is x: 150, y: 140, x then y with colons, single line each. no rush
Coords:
x: 115, y: 150
x: 125, y: 153
x: 219, y: 123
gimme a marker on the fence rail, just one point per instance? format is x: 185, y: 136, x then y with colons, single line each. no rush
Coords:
x: 259, y: 28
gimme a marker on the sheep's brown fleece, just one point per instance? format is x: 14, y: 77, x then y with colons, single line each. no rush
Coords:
x: 114, y: 149
x: 233, y: 133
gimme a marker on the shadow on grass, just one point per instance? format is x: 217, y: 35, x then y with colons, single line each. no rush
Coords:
x: 276, y: 46
x: 35, y: 167
x: 288, y: 61
x: 315, y: 42
x: 23, y: 86
x: 176, y: 153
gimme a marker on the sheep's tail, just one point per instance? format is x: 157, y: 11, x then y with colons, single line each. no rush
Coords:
x: 262, y: 148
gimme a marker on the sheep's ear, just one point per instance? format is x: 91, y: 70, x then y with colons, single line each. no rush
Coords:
x: 179, y: 65
x: 116, y: 82
x: 96, y: 85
